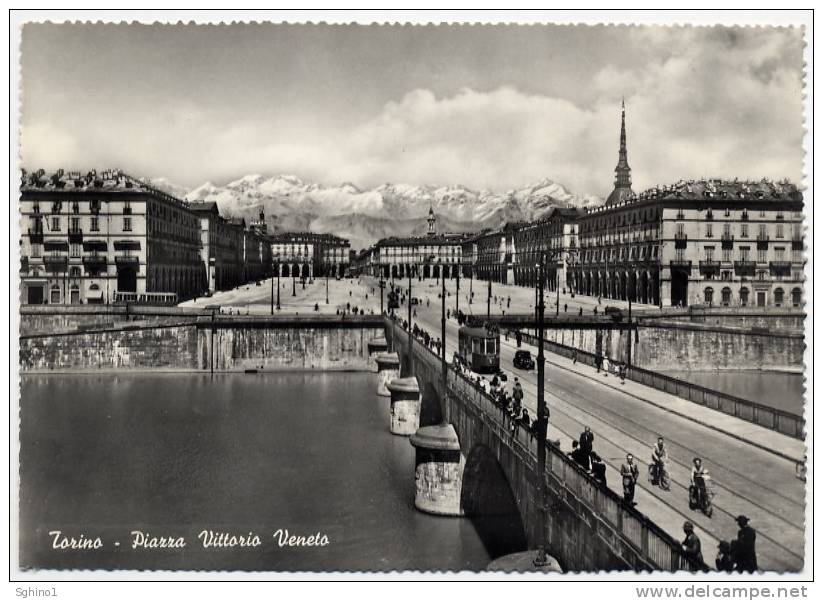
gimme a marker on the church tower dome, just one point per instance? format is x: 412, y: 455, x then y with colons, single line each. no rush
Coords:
x: 432, y: 221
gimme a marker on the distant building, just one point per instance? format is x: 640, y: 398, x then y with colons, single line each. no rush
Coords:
x: 106, y: 237
x: 553, y: 237
x: 308, y: 254
x: 221, y: 247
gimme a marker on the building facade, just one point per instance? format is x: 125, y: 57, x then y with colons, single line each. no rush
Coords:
x: 707, y: 242
x: 308, y: 254
x: 221, y: 247
x: 105, y: 237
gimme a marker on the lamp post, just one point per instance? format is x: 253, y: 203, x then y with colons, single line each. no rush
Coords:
x: 457, y: 291
x: 489, y: 299
x: 409, y: 303
x: 443, y: 322
x: 272, y: 294
x: 326, y: 268
x: 542, y: 425
x: 279, y: 269
x: 471, y: 283
x: 382, y: 286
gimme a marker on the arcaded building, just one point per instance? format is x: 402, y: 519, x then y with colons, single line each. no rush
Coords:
x: 710, y: 242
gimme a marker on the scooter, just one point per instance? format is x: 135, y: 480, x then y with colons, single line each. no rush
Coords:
x: 700, y: 497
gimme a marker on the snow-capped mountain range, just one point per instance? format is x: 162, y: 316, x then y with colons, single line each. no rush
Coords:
x: 364, y: 216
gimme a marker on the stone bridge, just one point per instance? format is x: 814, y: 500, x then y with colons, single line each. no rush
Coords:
x: 469, y: 462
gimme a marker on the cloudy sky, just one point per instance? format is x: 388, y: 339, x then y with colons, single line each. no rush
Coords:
x: 485, y: 106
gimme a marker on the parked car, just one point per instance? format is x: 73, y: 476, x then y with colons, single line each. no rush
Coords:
x: 523, y: 360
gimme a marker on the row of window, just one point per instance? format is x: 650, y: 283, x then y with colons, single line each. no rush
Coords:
x: 762, y: 232
x: 74, y: 224
x: 744, y: 254
x: 709, y: 214
x: 726, y: 297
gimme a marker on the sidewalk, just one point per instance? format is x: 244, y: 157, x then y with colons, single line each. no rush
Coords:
x: 786, y: 447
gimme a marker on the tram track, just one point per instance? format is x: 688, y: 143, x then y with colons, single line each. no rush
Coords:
x: 662, y: 499
x: 653, y: 435
x: 783, y: 553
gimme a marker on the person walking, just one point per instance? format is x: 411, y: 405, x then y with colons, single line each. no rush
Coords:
x: 517, y: 394
x: 598, y: 469
x: 586, y: 447
x: 630, y: 473
x: 691, y: 544
x: 744, y: 549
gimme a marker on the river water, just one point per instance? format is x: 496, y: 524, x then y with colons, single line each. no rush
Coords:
x: 175, y: 454
x: 782, y: 390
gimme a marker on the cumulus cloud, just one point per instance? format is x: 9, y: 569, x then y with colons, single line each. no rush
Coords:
x: 700, y: 102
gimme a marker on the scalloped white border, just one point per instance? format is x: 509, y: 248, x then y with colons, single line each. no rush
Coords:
x: 566, y: 584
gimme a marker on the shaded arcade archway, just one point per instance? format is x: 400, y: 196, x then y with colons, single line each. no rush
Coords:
x: 488, y: 501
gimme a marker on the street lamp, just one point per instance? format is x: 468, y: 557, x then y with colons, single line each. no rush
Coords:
x: 542, y: 424
x: 326, y: 268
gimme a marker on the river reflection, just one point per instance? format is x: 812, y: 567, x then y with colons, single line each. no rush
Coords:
x: 173, y: 454
x: 773, y: 388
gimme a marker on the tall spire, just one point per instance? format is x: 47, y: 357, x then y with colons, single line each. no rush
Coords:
x: 622, y: 173
x: 432, y: 220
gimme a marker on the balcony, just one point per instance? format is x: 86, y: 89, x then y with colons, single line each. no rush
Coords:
x: 709, y: 268
x: 56, y: 263
x: 744, y: 268
x: 36, y: 235
x: 680, y: 240
x: 681, y: 264
x: 95, y: 263
x: 75, y: 235
x: 127, y: 260
x: 780, y: 268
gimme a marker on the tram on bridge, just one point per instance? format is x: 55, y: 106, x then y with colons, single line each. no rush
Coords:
x: 479, y: 348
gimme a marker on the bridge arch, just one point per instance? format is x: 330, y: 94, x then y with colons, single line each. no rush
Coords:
x: 487, y: 500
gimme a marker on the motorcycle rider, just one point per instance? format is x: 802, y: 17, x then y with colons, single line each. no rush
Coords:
x: 659, y: 470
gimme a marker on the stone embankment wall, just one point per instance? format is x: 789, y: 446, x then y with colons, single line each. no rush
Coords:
x: 662, y: 344
x: 50, y: 319
x: 239, y: 345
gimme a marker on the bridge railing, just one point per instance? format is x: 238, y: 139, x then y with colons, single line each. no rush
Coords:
x: 650, y: 542
x: 750, y: 411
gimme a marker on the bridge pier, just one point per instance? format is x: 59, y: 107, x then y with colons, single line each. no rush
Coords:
x: 405, y: 405
x: 377, y: 345
x: 438, y: 474
x: 388, y: 368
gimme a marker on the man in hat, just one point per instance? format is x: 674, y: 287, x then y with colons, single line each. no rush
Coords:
x: 745, y: 556
x: 691, y: 544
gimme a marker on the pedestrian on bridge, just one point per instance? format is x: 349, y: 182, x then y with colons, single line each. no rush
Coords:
x: 691, y: 545
x: 598, y: 469
x: 744, y: 552
x: 630, y: 473
x: 586, y: 446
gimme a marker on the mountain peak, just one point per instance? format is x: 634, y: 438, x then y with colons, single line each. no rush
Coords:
x: 365, y: 215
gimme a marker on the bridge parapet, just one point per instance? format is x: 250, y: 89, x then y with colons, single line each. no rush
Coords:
x: 590, y: 526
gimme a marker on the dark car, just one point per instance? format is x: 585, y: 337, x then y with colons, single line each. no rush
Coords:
x: 523, y: 360
x: 614, y: 312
